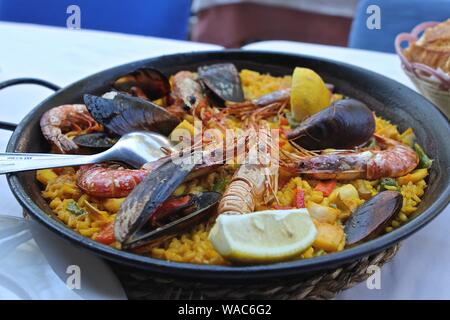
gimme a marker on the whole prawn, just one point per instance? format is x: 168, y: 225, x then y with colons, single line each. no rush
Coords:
x: 109, y: 180
x: 395, y: 159
x: 56, y: 122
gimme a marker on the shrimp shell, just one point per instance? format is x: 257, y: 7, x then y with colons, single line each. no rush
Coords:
x: 108, y: 181
x: 394, y: 160
x: 65, y: 118
x: 244, y: 192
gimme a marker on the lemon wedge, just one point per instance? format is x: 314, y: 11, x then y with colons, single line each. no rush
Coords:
x: 309, y: 94
x: 264, y: 236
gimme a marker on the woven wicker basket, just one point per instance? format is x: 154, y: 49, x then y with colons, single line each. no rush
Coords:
x: 140, y: 284
x: 433, y: 84
x: 430, y: 89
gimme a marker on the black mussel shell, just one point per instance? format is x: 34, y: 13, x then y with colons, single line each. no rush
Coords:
x: 151, y: 82
x: 98, y: 140
x: 122, y: 114
x: 176, y: 220
x: 372, y: 216
x: 156, y: 187
x: 223, y: 81
x: 345, y: 124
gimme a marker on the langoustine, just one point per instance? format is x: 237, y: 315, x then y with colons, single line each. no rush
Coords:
x: 253, y: 183
x: 245, y: 190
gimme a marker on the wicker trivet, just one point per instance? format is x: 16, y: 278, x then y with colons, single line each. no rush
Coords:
x: 139, y: 284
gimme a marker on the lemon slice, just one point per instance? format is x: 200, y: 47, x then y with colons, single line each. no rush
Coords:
x: 309, y: 94
x: 264, y: 236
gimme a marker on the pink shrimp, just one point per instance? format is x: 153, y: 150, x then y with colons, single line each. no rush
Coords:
x: 56, y: 122
x: 189, y: 93
x: 109, y: 180
x: 186, y: 88
x: 393, y: 160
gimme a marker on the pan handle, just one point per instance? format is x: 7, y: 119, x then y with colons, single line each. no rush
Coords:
x: 9, y: 83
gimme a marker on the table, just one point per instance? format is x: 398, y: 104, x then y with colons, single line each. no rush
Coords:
x: 63, y: 56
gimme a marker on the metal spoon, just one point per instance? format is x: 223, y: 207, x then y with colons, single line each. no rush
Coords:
x: 135, y: 149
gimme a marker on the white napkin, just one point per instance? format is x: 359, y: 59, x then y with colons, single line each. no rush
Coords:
x: 25, y: 273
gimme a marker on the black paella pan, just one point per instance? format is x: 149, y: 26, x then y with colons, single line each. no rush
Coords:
x: 386, y: 97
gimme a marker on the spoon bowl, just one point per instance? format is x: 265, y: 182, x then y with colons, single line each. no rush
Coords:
x: 138, y: 148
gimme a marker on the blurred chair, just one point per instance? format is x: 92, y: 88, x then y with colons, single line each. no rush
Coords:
x: 168, y: 19
x: 396, y: 16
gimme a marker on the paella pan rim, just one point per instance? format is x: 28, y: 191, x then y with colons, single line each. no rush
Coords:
x: 345, y: 72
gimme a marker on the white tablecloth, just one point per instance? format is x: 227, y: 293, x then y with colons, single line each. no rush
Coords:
x: 420, y: 270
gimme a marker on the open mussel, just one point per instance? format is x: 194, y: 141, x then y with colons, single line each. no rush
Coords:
x: 122, y: 114
x: 95, y: 141
x: 145, y: 83
x: 174, y: 215
x: 372, y: 216
x: 222, y: 82
x: 345, y: 124
x: 156, y: 187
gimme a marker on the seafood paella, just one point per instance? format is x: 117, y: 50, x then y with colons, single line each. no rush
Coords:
x: 264, y: 168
